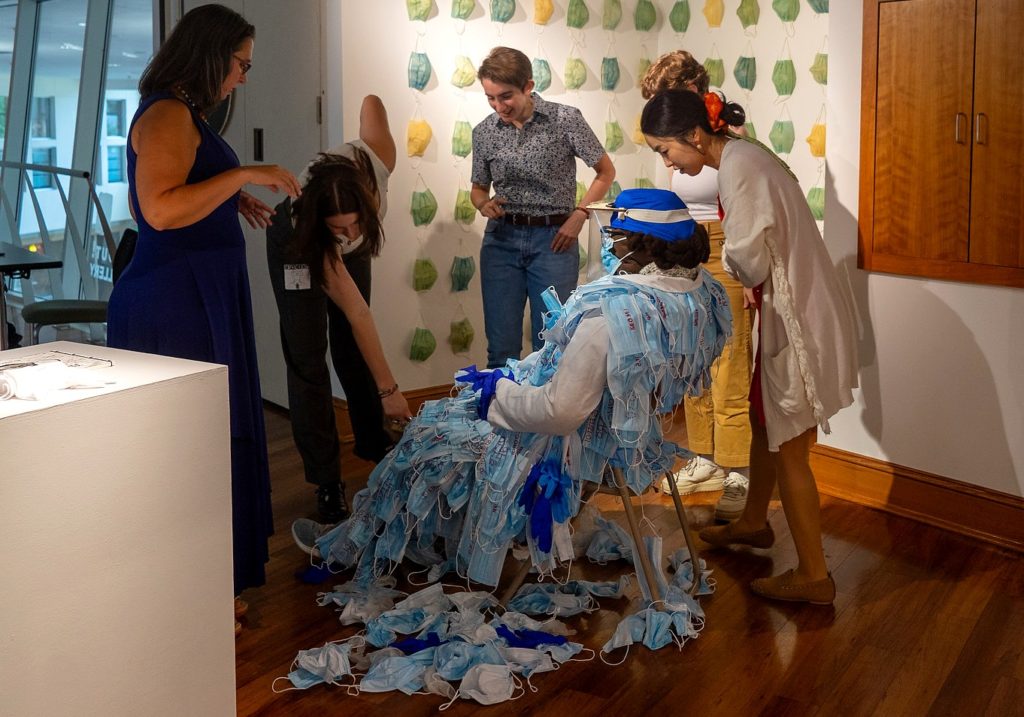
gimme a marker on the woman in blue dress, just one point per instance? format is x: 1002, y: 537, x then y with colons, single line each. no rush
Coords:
x: 186, y: 291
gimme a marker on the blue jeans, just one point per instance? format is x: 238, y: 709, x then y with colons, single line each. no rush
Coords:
x: 516, y: 262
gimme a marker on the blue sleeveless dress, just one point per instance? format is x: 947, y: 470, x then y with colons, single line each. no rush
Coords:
x: 186, y: 294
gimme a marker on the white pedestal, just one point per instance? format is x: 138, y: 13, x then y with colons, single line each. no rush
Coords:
x: 115, y: 543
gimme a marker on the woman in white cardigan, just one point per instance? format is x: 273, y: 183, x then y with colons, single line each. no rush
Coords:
x: 805, y: 367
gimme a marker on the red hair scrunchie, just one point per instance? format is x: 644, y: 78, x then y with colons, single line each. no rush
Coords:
x: 713, y: 104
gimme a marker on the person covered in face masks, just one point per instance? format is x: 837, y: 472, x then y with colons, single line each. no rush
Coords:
x: 805, y: 363
x: 515, y: 445
x: 319, y: 249
x: 527, y: 152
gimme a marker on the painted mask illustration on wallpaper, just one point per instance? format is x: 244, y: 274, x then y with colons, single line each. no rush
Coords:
x: 542, y: 11
x: 423, y: 344
x: 418, y: 9
x: 782, y: 136
x: 577, y: 14
x: 643, y: 183
x: 816, y: 140
x: 679, y: 16
x: 613, y: 191
x: 641, y: 69
x: 787, y: 10
x: 424, y: 274
x: 575, y: 73
x: 424, y: 207
x: 583, y: 257
x: 714, y: 11
x: 462, y: 9
x: 749, y: 12
x: 419, y: 70
x: 541, y: 74
x: 612, y: 136
x: 612, y: 14
x: 609, y: 73
x: 465, y: 212
x: 715, y: 67
x: 749, y: 127
x: 745, y: 72
x: 645, y: 15
x: 816, y: 201
x: 461, y: 336
x: 463, y: 269
x: 784, y: 77
x: 417, y: 137
x: 819, y: 6
x: 464, y: 74
x: 637, y: 136
x: 581, y: 189
x: 502, y: 10
x: 819, y: 68
x: 462, y: 138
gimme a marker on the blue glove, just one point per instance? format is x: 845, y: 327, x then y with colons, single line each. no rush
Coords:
x: 545, y: 500
x: 486, y: 382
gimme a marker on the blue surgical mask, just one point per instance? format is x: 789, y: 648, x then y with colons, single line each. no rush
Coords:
x: 609, y: 261
x: 394, y: 673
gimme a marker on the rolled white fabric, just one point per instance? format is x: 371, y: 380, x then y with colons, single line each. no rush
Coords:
x: 36, y: 383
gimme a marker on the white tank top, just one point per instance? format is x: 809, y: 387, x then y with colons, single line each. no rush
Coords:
x: 700, y: 193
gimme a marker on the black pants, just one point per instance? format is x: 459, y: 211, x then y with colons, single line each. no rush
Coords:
x: 308, y: 319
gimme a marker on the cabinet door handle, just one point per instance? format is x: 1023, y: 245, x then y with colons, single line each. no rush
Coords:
x: 961, y: 122
x: 981, y: 128
x: 257, y: 144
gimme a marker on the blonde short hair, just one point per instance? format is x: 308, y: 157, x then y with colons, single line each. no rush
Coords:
x: 506, y: 66
x: 677, y: 70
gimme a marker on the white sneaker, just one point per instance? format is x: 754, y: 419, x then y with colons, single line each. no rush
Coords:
x: 697, y: 476
x: 730, y: 505
x: 305, y: 533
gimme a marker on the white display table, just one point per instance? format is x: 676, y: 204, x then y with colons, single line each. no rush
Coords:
x: 115, y: 542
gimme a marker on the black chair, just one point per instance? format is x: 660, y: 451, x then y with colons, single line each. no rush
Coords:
x: 59, y: 312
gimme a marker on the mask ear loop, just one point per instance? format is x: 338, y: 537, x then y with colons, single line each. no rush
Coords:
x: 602, y: 653
x: 449, y: 703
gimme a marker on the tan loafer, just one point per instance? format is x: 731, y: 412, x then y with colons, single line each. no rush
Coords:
x: 241, y: 607
x: 721, y: 536
x: 783, y: 587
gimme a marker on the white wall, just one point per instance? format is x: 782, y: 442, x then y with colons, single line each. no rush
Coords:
x: 942, y: 385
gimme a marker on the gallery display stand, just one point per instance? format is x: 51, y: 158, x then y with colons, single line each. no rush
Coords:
x: 115, y: 542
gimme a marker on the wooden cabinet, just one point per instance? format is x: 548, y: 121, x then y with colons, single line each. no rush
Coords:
x: 942, y: 153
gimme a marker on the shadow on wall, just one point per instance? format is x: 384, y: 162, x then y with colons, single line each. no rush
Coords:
x: 934, y: 358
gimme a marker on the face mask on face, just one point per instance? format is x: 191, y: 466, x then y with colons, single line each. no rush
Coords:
x: 346, y: 245
x: 745, y: 72
x: 464, y: 74
x: 609, y: 73
x: 423, y: 345
x: 679, y: 16
x: 463, y: 270
x: 419, y: 70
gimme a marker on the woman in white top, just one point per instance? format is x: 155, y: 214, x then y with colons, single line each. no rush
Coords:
x: 806, y: 364
x: 717, y: 423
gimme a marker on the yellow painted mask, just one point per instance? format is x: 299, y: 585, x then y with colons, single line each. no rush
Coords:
x: 417, y: 137
x: 714, y: 11
x: 638, y: 135
x: 464, y: 74
x: 542, y: 11
x: 816, y: 140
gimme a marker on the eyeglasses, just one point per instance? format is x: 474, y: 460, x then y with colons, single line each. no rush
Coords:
x: 244, y: 65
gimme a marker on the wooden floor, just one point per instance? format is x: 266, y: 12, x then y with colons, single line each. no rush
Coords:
x: 925, y: 623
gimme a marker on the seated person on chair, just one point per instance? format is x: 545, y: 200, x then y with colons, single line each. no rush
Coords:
x: 509, y: 453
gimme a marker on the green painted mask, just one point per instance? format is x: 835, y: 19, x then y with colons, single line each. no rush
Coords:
x: 716, y: 71
x: 613, y: 192
x: 816, y: 201
x: 577, y: 14
x: 784, y: 77
x: 782, y: 136
x: 424, y: 274
x: 819, y: 68
x: 643, y: 183
x: 541, y: 74
x: 609, y: 73
x: 424, y: 207
x: 419, y: 70
x: 502, y: 10
x: 463, y: 269
x: 612, y: 14
x: 787, y: 10
x: 613, y: 136
x: 819, y: 6
x: 749, y: 12
x: 745, y: 72
x: 423, y: 344
x: 465, y: 212
x: 749, y: 126
x: 462, y: 9
x: 714, y: 11
x: 679, y: 17
x: 575, y: 73
x: 418, y: 9
x: 641, y: 69
x: 464, y: 74
x: 645, y: 15
x: 461, y: 336
x: 581, y: 189
x: 462, y: 138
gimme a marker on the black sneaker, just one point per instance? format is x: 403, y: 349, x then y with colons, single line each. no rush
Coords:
x: 330, y: 502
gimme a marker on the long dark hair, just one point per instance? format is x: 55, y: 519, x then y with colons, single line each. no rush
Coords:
x: 686, y: 253
x: 197, y: 54
x: 336, y: 185
x: 676, y: 113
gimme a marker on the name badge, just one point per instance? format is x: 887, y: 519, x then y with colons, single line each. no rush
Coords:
x: 296, y: 277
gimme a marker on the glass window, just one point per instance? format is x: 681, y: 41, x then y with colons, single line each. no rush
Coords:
x: 3, y: 117
x: 42, y: 118
x: 46, y: 156
x: 115, y: 118
x: 115, y: 163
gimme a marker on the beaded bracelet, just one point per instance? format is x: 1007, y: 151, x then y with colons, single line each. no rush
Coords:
x: 586, y: 212
x: 387, y: 391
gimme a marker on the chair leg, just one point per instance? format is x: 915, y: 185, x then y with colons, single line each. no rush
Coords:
x: 684, y: 523
x: 634, y: 529
x: 32, y: 333
x: 517, y: 582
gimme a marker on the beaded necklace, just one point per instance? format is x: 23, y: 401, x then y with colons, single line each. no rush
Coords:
x: 190, y: 102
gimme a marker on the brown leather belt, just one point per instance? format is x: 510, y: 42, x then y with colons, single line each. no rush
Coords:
x: 528, y: 220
